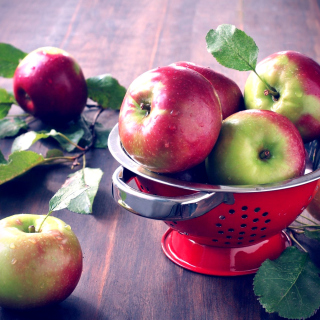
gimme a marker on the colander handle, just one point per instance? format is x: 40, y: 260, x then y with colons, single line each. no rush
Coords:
x: 163, y: 208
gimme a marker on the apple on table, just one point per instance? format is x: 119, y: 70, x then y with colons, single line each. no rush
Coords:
x: 38, y: 267
x: 256, y: 147
x: 170, y: 119
x: 49, y: 84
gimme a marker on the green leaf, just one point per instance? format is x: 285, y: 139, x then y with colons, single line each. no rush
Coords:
x: 26, y: 140
x: 106, y: 91
x: 54, y: 153
x: 62, y: 198
x: 102, y: 135
x: 232, y: 48
x: 78, y: 192
x: 2, y: 158
x: 19, y: 163
x: 74, y: 133
x: 86, y: 139
x: 10, y: 57
x: 314, y: 234
x: 10, y: 127
x: 6, y: 100
x: 91, y: 177
x: 289, y: 285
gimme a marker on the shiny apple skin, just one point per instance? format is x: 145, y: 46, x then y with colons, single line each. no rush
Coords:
x: 235, y: 159
x: 49, y: 84
x: 229, y: 93
x: 296, y: 78
x: 37, y: 269
x: 183, y: 123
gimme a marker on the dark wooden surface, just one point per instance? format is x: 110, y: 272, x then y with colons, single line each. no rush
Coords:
x: 126, y: 275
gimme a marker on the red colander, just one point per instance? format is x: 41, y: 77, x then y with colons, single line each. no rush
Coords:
x: 215, y: 230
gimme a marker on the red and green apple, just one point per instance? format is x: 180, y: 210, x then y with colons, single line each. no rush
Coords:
x: 256, y: 147
x: 296, y: 79
x: 49, y: 84
x: 170, y: 119
x: 38, y: 268
x: 229, y: 93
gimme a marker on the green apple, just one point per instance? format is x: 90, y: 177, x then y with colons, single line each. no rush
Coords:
x: 37, y: 268
x: 256, y: 147
x: 296, y: 79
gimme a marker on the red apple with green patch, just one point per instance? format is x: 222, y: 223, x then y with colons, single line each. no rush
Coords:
x: 229, y: 93
x: 38, y: 267
x: 170, y: 119
x: 49, y: 84
x: 256, y: 147
x: 296, y: 81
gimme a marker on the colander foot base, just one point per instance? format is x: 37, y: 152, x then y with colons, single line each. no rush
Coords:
x: 221, y: 261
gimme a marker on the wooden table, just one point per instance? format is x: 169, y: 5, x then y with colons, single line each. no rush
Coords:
x: 126, y: 275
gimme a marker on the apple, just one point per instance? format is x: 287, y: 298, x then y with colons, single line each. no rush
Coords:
x: 229, y: 93
x: 296, y: 78
x: 38, y: 268
x: 49, y: 84
x: 256, y: 147
x: 170, y: 119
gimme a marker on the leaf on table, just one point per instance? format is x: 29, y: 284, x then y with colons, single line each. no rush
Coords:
x: 289, y: 285
x: 74, y: 133
x: 10, y: 57
x: 232, y: 48
x: 6, y: 101
x: 2, y: 158
x: 9, y: 127
x: 19, y: 163
x: 86, y: 139
x: 83, y: 185
x: 54, y: 153
x: 106, y: 91
x: 102, y: 135
x: 314, y: 234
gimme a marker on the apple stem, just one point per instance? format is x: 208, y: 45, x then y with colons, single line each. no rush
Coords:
x: 275, y: 95
x: 146, y: 107
x: 265, y: 154
x: 31, y: 229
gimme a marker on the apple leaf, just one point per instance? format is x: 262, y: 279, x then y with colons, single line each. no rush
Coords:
x: 86, y: 139
x: 289, y: 285
x: 2, y: 158
x: 232, y: 48
x: 6, y: 100
x: 78, y: 192
x: 102, y: 135
x: 10, y: 57
x: 83, y: 203
x: 314, y: 234
x: 10, y: 127
x: 73, y: 133
x: 54, y: 153
x: 106, y: 91
x: 19, y: 163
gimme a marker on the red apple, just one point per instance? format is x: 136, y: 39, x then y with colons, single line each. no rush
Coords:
x: 49, y: 84
x: 170, y: 119
x: 256, y: 147
x: 229, y: 93
x: 296, y: 78
x: 38, y: 268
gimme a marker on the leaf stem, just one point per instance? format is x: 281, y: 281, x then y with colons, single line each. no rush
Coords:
x: 44, y: 219
x: 270, y: 90
x: 71, y: 142
x: 297, y: 242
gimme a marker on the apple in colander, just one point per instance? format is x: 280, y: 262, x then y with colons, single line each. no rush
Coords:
x: 296, y: 79
x: 256, y: 147
x: 170, y: 119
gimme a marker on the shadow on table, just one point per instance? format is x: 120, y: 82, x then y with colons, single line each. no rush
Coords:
x: 72, y: 308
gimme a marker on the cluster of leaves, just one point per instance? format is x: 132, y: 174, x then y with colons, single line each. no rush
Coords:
x: 290, y: 284
x: 78, y: 192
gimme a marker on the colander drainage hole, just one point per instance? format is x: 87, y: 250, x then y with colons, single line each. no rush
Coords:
x: 267, y: 221
x: 219, y: 225
x: 231, y: 211
x: 257, y: 209
x: 251, y: 241
x: 228, y: 237
x: 264, y: 228
x: 240, y: 238
x: 265, y: 214
x: 222, y: 217
x: 244, y: 208
x: 214, y: 240
x: 220, y: 232
x: 230, y: 230
x: 244, y: 216
x: 242, y: 232
x: 243, y: 225
x: 255, y: 220
x: 254, y: 228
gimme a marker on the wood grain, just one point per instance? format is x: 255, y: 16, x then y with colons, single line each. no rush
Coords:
x: 126, y: 275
